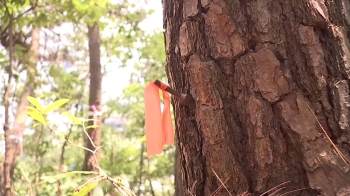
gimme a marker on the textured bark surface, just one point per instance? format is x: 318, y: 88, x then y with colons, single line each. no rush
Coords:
x: 94, y: 96
x: 253, y: 68
x: 179, y: 190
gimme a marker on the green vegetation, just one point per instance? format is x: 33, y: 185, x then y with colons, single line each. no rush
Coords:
x: 44, y: 69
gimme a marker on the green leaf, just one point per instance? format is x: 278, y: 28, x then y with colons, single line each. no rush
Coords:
x: 36, y: 103
x: 91, y: 127
x: 53, y: 72
x: 71, y: 117
x: 37, y: 116
x: 64, y: 175
x: 88, y: 186
x: 42, y: 19
x: 143, y: 138
x: 101, y: 3
x: 30, y: 108
x: 55, y: 105
x: 36, y: 124
x: 80, y: 6
x: 85, y: 189
x: 5, y: 22
x: 26, y: 3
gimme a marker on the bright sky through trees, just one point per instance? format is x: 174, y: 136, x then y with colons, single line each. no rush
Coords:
x: 118, y: 78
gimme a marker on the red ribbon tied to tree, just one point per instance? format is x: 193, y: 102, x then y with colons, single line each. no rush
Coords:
x: 159, y: 129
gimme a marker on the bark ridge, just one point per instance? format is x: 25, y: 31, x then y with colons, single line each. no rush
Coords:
x: 254, y: 69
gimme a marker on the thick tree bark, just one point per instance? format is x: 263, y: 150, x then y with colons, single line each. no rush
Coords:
x: 179, y: 189
x: 254, y: 68
x: 94, y: 97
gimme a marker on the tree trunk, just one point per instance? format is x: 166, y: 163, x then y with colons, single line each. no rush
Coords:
x: 14, y: 134
x: 19, y: 124
x: 179, y: 189
x: 10, y: 140
x: 94, y: 97
x: 254, y: 68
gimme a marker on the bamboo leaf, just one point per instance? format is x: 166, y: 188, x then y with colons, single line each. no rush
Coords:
x: 71, y: 117
x: 55, y: 105
x: 36, y: 103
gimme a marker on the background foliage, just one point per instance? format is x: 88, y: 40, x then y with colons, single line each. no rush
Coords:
x: 62, y: 72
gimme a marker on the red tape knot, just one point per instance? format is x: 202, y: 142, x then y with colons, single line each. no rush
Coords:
x: 163, y: 86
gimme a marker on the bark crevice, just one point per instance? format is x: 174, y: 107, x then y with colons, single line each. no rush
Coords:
x: 254, y: 68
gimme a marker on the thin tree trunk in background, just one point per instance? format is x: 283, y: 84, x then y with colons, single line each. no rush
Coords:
x: 151, y: 186
x: 141, y: 168
x: 16, y: 132
x: 60, y: 166
x: 28, y: 90
x: 37, y: 174
x: 63, y: 148
x: 253, y: 68
x: 94, y: 96
x: 149, y: 179
x: 10, y: 142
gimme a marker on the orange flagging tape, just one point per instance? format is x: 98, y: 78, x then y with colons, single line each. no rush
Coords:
x: 159, y: 129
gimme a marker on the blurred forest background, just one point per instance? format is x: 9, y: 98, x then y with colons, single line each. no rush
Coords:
x: 50, y: 61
